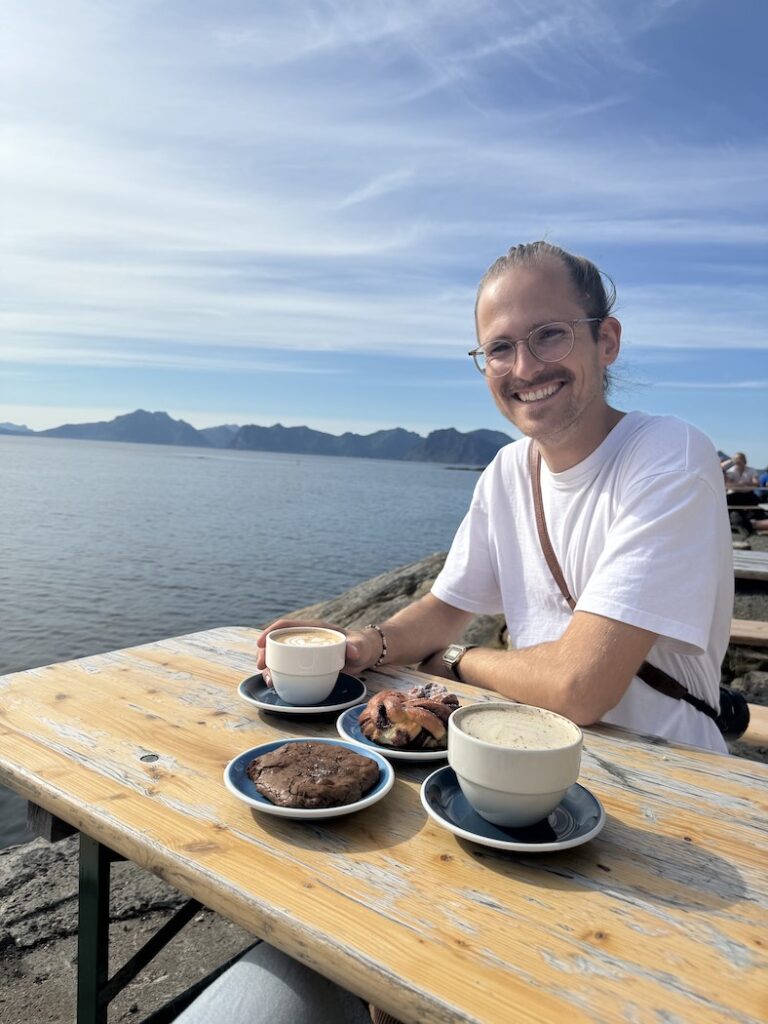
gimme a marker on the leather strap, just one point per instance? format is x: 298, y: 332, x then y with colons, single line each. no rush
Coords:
x: 654, y: 677
x: 534, y: 465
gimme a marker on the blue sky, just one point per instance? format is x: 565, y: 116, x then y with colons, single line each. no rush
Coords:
x: 253, y: 212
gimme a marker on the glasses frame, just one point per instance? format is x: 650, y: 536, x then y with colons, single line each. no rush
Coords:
x: 527, y: 342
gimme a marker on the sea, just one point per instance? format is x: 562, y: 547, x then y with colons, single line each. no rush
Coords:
x: 106, y: 545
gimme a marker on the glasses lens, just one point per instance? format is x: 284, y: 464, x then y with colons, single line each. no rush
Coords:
x: 552, y: 342
x: 496, y: 359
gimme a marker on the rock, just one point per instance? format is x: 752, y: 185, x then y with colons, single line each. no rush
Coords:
x: 753, y: 686
x: 38, y: 908
x: 378, y: 599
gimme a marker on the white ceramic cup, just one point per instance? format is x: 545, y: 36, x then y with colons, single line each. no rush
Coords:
x: 304, y: 662
x: 514, y: 763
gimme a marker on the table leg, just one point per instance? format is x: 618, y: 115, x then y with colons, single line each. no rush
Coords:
x: 93, y: 931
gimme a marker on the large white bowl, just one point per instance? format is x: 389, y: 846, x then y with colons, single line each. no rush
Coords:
x: 514, y: 786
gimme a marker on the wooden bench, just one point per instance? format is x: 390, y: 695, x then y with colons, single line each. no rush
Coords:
x: 750, y: 565
x: 757, y: 733
x: 749, y: 633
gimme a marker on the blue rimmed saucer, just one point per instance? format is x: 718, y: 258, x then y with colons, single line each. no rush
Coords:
x: 348, y: 727
x: 237, y: 782
x: 347, y: 692
x: 578, y: 818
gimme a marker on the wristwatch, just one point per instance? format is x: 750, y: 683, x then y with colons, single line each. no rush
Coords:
x: 452, y: 656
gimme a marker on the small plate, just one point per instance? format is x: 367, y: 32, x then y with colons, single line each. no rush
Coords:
x: 237, y: 782
x: 578, y: 818
x: 348, y: 726
x: 347, y: 692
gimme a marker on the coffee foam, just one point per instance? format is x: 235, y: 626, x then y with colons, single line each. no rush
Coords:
x: 306, y: 638
x: 522, y: 728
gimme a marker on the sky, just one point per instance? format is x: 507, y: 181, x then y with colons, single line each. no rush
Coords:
x: 258, y: 212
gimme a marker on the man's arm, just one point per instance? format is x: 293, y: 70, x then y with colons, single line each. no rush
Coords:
x: 412, y: 634
x: 582, y: 675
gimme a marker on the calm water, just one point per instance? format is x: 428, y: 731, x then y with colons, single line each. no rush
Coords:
x: 107, y: 545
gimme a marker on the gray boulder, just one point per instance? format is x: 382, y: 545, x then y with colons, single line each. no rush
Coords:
x: 377, y: 599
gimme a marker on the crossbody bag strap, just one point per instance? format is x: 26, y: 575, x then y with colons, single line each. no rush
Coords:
x: 654, y: 677
x: 534, y: 465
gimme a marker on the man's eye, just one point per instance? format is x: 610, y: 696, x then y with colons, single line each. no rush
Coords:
x: 499, y: 350
x: 551, y: 334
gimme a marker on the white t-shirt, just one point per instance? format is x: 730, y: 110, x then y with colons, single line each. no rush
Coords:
x: 641, y: 531
x: 734, y: 475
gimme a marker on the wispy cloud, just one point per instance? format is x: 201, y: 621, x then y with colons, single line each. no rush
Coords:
x: 204, y: 187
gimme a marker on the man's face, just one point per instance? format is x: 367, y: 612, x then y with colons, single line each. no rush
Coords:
x: 547, y: 401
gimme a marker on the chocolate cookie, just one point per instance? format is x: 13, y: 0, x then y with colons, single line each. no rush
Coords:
x: 313, y: 775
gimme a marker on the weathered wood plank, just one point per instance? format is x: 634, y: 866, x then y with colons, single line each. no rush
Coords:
x: 757, y: 733
x: 750, y: 565
x: 46, y: 825
x: 749, y: 632
x: 661, y: 917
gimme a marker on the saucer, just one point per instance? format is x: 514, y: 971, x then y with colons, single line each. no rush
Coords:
x: 578, y: 818
x: 237, y: 782
x: 347, y: 692
x: 348, y: 726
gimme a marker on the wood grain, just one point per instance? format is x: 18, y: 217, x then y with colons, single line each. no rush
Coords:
x: 749, y: 632
x: 750, y: 565
x: 660, y: 918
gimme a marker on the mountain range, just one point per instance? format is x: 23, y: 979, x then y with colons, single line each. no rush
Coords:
x: 476, y: 447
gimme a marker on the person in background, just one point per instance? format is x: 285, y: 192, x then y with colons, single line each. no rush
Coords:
x: 737, y: 473
x: 740, y: 479
x: 634, y: 509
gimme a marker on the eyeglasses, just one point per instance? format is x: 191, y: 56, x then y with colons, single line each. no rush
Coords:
x: 549, y: 343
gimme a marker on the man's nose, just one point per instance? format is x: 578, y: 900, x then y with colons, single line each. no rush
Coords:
x: 526, y: 364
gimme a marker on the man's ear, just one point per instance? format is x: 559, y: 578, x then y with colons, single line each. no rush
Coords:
x: 609, y: 340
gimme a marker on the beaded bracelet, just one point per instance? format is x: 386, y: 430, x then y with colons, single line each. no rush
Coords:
x: 383, y: 654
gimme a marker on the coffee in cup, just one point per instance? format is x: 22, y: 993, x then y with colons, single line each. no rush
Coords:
x: 311, y: 637
x: 304, y: 662
x: 513, y: 762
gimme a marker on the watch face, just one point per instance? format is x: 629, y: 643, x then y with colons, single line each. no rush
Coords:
x: 452, y: 653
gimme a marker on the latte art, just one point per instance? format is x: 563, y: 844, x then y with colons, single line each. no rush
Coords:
x: 307, y: 638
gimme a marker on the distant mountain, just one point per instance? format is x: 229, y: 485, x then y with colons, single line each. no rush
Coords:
x: 14, y: 428
x: 220, y: 437
x: 477, y: 447
x: 139, y: 427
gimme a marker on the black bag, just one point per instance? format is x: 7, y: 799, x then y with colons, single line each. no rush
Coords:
x: 733, y: 719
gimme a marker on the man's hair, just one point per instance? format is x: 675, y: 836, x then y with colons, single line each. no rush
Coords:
x: 588, y: 281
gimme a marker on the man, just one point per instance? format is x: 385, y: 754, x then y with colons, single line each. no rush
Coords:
x: 739, y: 481
x: 634, y: 508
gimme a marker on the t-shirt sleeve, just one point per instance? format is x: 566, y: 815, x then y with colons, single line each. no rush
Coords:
x: 468, y: 579
x: 660, y: 567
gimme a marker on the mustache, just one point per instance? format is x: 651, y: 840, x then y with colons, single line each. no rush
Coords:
x: 541, y: 380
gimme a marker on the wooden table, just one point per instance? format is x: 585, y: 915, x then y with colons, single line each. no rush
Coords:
x: 661, y: 918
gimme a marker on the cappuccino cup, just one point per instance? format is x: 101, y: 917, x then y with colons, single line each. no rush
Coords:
x: 304, y: 662
x: 513, y: 762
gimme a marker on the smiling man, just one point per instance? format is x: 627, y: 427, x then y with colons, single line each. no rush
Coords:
x: 634, y: 511
x: 631, y: 506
